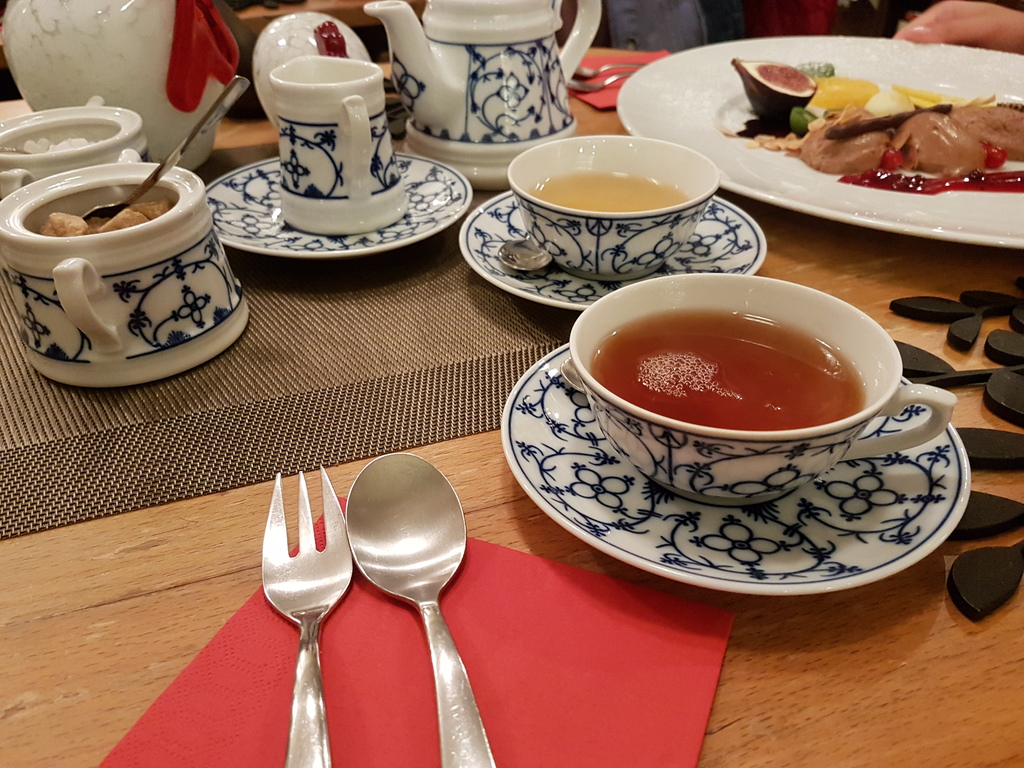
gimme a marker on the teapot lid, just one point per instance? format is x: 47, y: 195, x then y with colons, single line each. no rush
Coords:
x: 490, y: 21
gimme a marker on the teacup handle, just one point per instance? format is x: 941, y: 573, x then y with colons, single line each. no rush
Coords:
x: 355, y: 122
x: 77, y: 282
x: 584, y: 30
x: 940, y: 403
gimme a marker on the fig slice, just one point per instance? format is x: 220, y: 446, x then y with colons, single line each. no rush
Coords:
x: 773, y: 89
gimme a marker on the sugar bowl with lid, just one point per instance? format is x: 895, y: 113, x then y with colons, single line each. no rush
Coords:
x: 44, y: 143
x: 125, y: 306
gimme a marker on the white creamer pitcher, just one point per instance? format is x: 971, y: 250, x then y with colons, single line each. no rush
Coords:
x: 484, y: 79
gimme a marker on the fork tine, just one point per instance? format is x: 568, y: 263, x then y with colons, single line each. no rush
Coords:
x: 275, y: 537
x: 307, y: 542
x: 334, y: 521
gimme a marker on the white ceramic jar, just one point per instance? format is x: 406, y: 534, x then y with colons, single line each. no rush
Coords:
x: 109, y: 134
x: 122, y: 307
x: 62, y: 52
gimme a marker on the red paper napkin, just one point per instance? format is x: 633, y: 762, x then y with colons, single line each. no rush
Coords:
x: 608, y: 97
x: 570, y: 668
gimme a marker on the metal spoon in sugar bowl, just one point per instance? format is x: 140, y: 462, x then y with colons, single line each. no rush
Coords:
x: 408, y: 536
x: 220, y: 106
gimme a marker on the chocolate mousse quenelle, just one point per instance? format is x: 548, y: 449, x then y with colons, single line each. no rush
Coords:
x: 947, y: 141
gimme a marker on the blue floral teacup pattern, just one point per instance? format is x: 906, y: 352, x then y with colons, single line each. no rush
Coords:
x: 615, y: 238
x: 746, y: 466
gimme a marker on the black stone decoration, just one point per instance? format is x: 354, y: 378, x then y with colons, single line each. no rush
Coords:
x: 964, y: 332
x: 918, y: 362
x: 1004, y: 388
x: 1004, y: 394
x: 1005, y: 347
x: 965, y: 315
x: 982, y: 580
x: 1017, y: 319
x: 992, y: 448
x: 987, y: 515
x: 931, y: 309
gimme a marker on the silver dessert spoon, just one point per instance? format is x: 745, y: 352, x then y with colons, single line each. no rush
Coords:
x: 523, y: 255
x: 222, y: 104
x: 408, y: 536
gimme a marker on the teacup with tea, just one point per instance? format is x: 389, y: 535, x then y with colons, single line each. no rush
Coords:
x: 611, y: 207
x: 736, y: 389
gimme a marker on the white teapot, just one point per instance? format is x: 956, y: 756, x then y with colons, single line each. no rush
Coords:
x: 484, y: 79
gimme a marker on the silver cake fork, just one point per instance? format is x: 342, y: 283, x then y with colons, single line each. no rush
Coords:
x: 304, y: 589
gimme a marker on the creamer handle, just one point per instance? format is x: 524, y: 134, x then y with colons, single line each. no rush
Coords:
x: 355, y: 123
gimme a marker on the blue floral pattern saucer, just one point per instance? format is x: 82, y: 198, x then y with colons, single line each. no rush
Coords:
x: 726, y: 240
x: 247, y: 212
x: 862, y: 521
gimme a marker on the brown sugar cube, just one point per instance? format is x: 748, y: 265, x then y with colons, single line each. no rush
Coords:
x: 64, y: 225
x: 123, y: 220
x: 153, y: 209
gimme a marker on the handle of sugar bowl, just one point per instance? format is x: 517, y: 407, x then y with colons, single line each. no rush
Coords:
x: 940, y: 404
x: 78, y: 284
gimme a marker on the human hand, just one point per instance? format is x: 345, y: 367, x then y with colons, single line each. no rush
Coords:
x: 968, y: 22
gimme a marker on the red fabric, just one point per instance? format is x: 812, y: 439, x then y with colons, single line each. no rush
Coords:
x: 607, y: 98
x: 774, y: 18
x: 202, y: 47
x: 570, y: 669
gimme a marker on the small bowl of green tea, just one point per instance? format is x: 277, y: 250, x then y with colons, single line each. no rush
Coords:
x: 736, y: 389
x: 611, y: 207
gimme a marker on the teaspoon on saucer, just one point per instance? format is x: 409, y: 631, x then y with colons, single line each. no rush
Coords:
x: 523, y: 255
x: 408, y: 536
x: 570, y: 374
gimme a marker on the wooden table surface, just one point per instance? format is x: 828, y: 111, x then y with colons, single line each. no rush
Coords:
x: 96, y: 619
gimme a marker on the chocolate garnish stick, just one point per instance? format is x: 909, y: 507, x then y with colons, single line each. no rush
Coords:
x: 849, y: 130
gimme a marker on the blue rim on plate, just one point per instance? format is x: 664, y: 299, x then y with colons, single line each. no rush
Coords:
x: 727, y: 239
x: 247, y: 212
x: 862, y: 521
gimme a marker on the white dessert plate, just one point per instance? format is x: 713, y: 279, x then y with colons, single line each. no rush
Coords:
x: 686, y: 97
x: 247, y: 212
x: 862, y: 521
x: 726, y: 240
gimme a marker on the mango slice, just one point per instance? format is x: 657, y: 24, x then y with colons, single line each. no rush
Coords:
x: 835, y: 93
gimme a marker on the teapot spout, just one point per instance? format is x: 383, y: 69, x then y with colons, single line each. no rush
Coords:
x: 415, y: 72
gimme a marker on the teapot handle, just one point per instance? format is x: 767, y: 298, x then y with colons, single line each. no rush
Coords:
x: 584, y: 30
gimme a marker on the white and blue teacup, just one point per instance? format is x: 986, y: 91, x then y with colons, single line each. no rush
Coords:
x: 339, y: 175
x: 612, y: 245
x: 121, y: 307
x: 738, y: 467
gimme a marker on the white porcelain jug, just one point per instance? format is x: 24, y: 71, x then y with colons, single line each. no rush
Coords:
x: 163, y: 59
x: 484, y: 79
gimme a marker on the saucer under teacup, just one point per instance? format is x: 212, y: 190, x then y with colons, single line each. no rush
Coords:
x: 862, y: 521
x: 727, y: 240
x: 246, y: 212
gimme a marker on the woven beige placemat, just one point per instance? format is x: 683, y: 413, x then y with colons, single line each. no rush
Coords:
x: 341, y: 360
